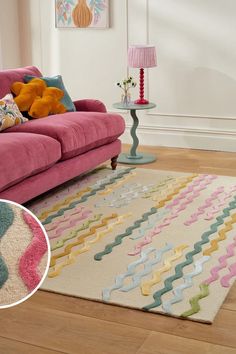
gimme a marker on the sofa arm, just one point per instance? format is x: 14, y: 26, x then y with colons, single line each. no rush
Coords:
x: 89, y: 105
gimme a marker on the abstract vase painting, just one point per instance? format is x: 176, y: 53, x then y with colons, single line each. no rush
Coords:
x: 82, y: 13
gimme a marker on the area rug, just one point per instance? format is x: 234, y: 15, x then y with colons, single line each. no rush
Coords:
x: 157, y: 241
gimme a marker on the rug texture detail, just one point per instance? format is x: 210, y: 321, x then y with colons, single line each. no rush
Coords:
x: 23, y: 253
x: 157, y: 241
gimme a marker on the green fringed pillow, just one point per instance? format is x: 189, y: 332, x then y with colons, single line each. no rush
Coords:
x: 56, y: 81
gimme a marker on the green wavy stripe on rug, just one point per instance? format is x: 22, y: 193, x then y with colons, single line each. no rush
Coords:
x: 194, y: 301
x: 189, y: 256
x: 86, y: 196
x: 118, y: 240
x: 6, y: 220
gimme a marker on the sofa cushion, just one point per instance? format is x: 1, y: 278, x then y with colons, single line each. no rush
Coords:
x: 56, y: 81
x: 10, y: 114
x: 77, y: 132
x: 24, y: 154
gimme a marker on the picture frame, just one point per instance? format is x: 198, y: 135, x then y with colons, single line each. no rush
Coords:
x: 82, y: 14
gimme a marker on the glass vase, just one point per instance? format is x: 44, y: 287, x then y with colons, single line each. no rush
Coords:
x: 126, y: 99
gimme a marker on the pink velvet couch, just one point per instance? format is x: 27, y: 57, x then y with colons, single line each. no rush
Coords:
x: 41, y: 154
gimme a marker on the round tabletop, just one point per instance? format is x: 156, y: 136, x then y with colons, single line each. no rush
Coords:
x: 132, y: 106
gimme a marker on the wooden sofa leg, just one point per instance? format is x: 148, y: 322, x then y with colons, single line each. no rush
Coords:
x: 114, y: 162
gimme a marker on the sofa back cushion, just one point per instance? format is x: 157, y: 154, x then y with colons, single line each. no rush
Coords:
x: 7, y: 77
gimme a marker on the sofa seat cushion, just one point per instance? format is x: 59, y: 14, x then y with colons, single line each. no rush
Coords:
x: 24, y: 154
x: 77, y: 132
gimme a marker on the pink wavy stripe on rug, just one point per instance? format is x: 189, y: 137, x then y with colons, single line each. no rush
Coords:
x: 222, y: 263
x: 189, y: 189
x: 225, y: 280
x: 207, y: 204
x: 33, y: 254
x: 167, y: 221
x: 72, y: 223
x: 221, y: 202
x: 63, y: 218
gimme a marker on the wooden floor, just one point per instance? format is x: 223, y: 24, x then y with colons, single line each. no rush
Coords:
x: 49, y: 323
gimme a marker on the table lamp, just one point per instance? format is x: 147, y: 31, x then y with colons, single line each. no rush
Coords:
x: 142, y: 56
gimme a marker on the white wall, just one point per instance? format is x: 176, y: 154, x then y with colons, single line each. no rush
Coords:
x: 90, y: 60
x: 194, y: 84
x: 10, y: 56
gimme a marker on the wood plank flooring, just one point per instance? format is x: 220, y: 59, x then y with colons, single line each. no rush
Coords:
x: 50, y: 323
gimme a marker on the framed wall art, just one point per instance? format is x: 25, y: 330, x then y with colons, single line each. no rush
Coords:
x: 82, y: 13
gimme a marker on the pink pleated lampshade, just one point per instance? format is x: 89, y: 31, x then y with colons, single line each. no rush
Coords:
x: 142, y: 56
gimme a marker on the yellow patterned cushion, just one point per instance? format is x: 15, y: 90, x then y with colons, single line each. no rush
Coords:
x: 9, y: 113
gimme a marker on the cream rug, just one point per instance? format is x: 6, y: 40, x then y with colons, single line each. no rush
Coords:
x: 153, y: 240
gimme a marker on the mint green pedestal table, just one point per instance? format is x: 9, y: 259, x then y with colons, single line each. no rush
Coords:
x: 133, y: 157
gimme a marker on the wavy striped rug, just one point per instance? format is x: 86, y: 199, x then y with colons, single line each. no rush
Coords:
x: 23, y: 253
x: 153, y: 240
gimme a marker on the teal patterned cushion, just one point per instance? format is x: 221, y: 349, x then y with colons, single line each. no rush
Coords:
x: 56, y: 81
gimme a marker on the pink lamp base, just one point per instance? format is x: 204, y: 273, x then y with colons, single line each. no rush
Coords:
x: 141, y: 101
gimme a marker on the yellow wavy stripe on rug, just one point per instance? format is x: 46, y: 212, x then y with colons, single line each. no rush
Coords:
x: 169, y: 197
x: 171, y: 187
x: 159, y: 187
x: 87, y: 246
x: 66, y: 201
x: 81, y: 238
x: 221, y: 236
x: 156, y: 275
x: 168, y: 184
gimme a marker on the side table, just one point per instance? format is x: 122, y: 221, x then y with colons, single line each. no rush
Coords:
x: 133, y: 157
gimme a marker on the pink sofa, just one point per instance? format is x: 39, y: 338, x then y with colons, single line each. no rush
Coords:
x: 41, y: 154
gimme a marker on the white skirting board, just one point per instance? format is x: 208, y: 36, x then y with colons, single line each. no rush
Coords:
x: 192, y: 138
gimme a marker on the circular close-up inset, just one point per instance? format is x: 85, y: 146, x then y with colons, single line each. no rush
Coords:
x: 24, y: 253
